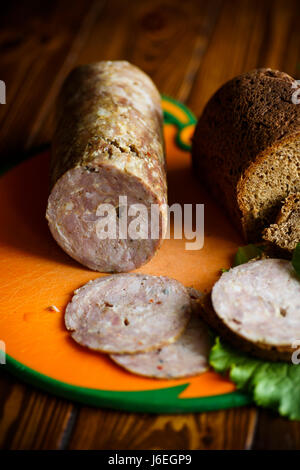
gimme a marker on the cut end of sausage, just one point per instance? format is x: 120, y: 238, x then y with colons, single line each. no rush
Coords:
x: 186, y: 357
x: 90, y: 232
x: 257, y: 307
x: 128, y: 313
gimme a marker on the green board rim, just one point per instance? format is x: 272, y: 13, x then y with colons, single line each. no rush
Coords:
x: 163, y: 400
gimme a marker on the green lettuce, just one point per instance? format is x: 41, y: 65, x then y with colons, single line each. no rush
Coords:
x: 270, y: 384
x: 246, y: 253
x: 273, y: 385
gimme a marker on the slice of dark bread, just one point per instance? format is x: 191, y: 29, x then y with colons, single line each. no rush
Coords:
x: 285, y: 233
x: 246, y: 147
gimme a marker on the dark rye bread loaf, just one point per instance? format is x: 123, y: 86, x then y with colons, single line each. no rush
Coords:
x: 285, y: 233
x: 246, y: 147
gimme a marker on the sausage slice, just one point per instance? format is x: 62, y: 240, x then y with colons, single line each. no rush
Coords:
x: 256, y: 306
x: 186, y: 357
x: 128, y: 313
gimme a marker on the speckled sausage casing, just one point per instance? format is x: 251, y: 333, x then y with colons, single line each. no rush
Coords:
x: 108, y: 142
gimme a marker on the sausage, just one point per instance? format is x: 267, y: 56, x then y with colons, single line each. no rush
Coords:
x: 128, y: 313
x: 186, y: 357
x: 108, y: 142
x: 255, y: 306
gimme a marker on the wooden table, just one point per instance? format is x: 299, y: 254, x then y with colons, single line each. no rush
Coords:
x: 189, y: 48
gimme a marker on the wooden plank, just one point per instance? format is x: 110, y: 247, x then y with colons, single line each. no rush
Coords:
x: 280, y: 47
x: 166, y: 39
x: 174, y: 42
x: 230, y: 429
x: 153, y: 35
x: 30, y: 419
x: 37, y: 40
x: 249, y: 34
x: 275, y: 432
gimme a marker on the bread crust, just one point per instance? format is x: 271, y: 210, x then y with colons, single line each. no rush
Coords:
x: 246, y: 119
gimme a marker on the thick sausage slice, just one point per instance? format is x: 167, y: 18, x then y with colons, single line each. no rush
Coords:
x: 108, y: 143
x: 186, y: 357
x: 128, y: 313
x: 256, y: 306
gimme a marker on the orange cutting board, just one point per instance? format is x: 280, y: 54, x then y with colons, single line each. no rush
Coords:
x: 35, y: 274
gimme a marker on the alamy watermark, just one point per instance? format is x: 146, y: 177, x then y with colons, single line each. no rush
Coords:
x: 2, y: 352
x: 296, y: 354
x: 296, y: 94
x: 2, y: 92
x: 139, y: 222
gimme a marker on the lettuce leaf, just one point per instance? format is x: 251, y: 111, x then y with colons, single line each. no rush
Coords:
x: 273, y: 385
x: 246, y: 253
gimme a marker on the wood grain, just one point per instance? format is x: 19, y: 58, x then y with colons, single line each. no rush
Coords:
x: 152, y: 34
x: 275, y: 432
x: 230, y: 429
x: 37, y: 42
x: 189, y: 48
x: 248, y: 34
x: 30, y: 419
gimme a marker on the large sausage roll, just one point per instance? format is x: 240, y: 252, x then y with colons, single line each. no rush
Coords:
x: 108, y: 143
x: 246, y: 147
